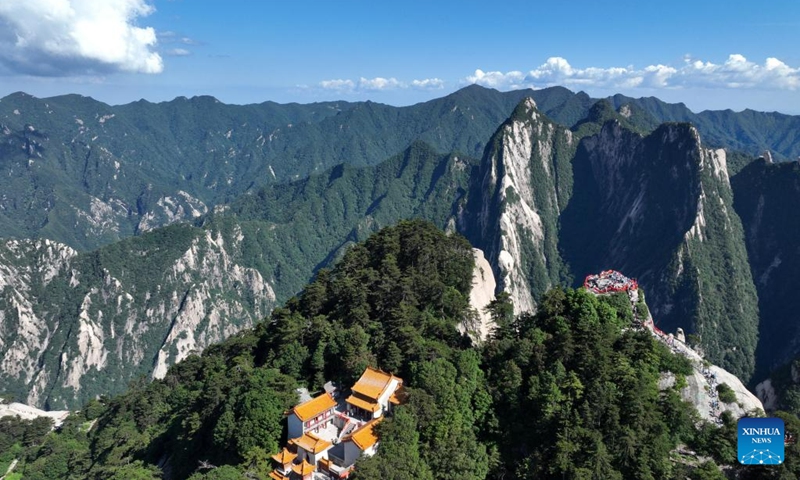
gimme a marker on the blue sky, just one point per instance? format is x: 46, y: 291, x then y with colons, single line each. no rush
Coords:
x: 707, y: 54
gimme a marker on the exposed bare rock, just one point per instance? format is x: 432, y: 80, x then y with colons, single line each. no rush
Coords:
x: 26, y: 412
x: 700, y: 393
x: 74, y: 326
x: 766, y: 393
x: 482, y: 293
x: 514, y: 204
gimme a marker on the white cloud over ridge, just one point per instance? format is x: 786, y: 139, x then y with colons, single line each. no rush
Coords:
x: 735, y: 72
x: 76, y: 37
x: 379, y: 84
x: 428, y: 84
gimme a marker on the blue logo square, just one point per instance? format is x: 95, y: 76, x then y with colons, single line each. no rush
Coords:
x: 760, y: 441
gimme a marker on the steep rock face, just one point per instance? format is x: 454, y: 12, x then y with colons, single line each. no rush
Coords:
x: 698, y: 393
x: 76, y: 326
x: 659, y: 207
x: 767, y: 394
x: 482, y: 293
x: 25, y: 267
x: 767, y: 198
x: 701, y: 387
x: 512, y: 214
x: 204, y: 317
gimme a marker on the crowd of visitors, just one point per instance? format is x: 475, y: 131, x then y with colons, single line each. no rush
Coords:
x: 711, y: 379
x: 609, y: 281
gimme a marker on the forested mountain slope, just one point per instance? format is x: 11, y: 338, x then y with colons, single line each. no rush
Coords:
x: 84, y: 173
x: 747, y: 131
x: 75, y: 325
x: 546, y: 203
x: 566, y: 392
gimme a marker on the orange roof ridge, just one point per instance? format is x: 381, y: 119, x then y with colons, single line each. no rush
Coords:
x: 284, y: 457
x: 311, y: 443
x: 365, y: 436
x: 310, y: 409
x: 374, y: 382
x: 276, y: 475
x: 363, y: 403
x: 303, y: 468
x: 384, y: 372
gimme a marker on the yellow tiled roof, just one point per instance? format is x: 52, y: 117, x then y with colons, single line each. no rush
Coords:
x: 310, y: 409
x: 373, y: 383
x: 312, y: 443
x: 365, y: 436
x: 368, y: 405
x: 276, y: 475
x: 284, y: 457
x: 303, y: 469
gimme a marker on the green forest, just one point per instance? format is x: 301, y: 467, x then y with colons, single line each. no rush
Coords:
x: 568, y: 392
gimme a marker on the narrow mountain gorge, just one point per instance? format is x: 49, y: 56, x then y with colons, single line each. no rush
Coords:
x: 547, y: 204
x: 660, y: 208
x: 767, y: 200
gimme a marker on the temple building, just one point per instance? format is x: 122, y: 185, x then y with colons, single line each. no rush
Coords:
x: 374, y: 394
x: 327, y: 436
x: 311, y: 416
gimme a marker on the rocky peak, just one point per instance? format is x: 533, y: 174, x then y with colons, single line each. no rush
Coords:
x: 514, y: 201
x: 647, y: 205
x: 526, y: 108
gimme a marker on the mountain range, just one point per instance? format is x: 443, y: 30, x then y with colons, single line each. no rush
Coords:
x: 584, y: 370
x: 141, y: 233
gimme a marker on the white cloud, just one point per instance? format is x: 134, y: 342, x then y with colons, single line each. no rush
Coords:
x: 428, y: 84
x: 498, y: 80
x: 379, y: 84
x: 339, y: 85
x: 736, y: 72
x: 66, y: 37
